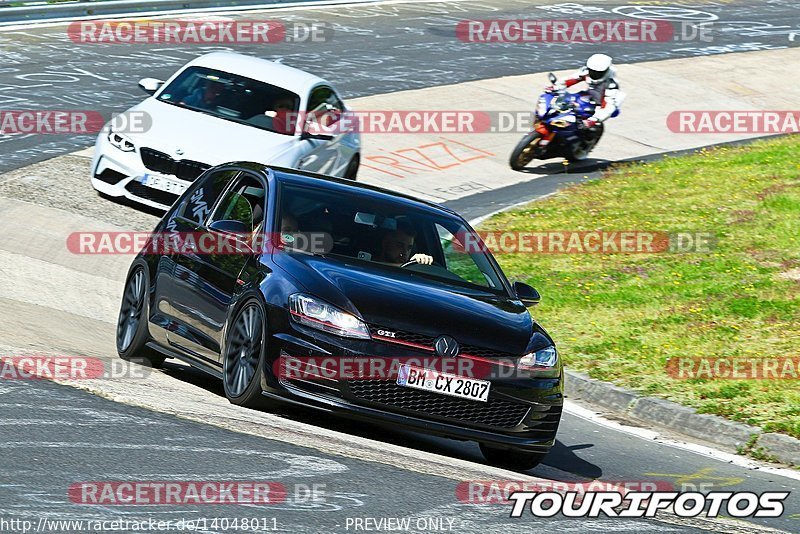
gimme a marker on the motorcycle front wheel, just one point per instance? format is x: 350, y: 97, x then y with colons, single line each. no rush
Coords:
x: 525, y: 151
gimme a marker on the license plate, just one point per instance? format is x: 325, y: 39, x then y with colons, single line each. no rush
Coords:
x: 163, y: 183
x: 444, y: 383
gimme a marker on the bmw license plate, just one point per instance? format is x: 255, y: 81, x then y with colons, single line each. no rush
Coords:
x: 163, y: 183
x: 444, y: 383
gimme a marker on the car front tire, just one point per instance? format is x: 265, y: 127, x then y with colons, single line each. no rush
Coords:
x: 244, y: 355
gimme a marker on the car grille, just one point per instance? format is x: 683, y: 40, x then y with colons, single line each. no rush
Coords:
x: 428, y: 341
x: 153, y: 195
x: 494, y: 413
x: 544, y: 418
x: 160, y: 162
x: 110, y: 176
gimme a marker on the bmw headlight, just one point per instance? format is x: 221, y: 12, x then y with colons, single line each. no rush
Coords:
x: 120, y: 141
x: 314, y: 313
x: 546, y: 357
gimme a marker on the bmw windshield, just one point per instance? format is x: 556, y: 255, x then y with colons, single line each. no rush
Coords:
x: 234, y: 98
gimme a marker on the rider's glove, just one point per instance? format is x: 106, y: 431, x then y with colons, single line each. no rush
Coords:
x: 590, y: 123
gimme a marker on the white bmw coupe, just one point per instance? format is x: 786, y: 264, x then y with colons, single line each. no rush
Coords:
x: 219, y: 108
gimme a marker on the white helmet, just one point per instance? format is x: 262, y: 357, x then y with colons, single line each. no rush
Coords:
x: 599, y: 67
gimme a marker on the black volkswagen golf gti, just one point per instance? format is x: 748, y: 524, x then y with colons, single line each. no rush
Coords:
x: 315, y: 272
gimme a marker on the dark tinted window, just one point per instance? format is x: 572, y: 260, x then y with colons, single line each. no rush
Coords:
x: 324, y: 107
x: 386, y: 234
x: 234, y: 98
x: 244, y: 202
x: 196, y: 205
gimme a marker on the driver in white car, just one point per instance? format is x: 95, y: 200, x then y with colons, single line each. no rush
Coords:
x: 205, y: 97
x: 396, y: 247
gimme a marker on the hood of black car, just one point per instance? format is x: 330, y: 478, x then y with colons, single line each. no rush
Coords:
x: 400, y: 300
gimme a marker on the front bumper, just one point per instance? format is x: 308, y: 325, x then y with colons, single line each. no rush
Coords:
x: 117, y: 174
x: 523, y: 412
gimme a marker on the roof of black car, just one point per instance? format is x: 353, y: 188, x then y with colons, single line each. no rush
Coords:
x: 302, y: 177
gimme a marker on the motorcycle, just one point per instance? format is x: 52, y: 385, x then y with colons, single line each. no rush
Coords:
x: 558, y: 129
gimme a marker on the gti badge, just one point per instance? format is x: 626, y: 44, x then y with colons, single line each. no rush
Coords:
x: 446, y: 346
x: 387, y: 333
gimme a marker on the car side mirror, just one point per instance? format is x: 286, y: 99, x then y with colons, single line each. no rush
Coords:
x: 528, y: 295
x: 552, y: 78
x: 150, y: 85
x: 230, y: 226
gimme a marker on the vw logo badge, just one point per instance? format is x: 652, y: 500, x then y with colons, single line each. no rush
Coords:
x: 446, y: 346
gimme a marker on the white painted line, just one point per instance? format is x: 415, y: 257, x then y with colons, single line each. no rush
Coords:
x: 478, y: 220
x: 652, y: 435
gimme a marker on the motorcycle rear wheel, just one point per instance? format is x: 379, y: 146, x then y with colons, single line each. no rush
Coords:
x: 581, y: 153
x: 525, y: 151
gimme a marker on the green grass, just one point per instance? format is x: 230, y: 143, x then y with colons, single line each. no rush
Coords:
x: 620, y: 317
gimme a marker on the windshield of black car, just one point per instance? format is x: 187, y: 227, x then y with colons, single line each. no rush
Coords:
x: 385, y: 234
x: 234, y: 98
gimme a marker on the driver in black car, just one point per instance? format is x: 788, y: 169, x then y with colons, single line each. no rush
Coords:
x: 396, y: 247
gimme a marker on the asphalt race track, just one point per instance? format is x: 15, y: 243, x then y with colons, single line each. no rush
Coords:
x: 375, y: 49
x: 177, y: 425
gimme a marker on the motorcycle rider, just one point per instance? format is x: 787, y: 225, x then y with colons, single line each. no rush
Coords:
x: 599, y: 74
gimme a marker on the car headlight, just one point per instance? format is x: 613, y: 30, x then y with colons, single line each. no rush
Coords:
x: 546, y: 357
x: 120, y: 141
x: 312, y: 312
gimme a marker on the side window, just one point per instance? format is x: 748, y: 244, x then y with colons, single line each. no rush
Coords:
x: 324, y: 107
x: 245, y: 202
x: 196, y: 206
x: 458, y: 261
